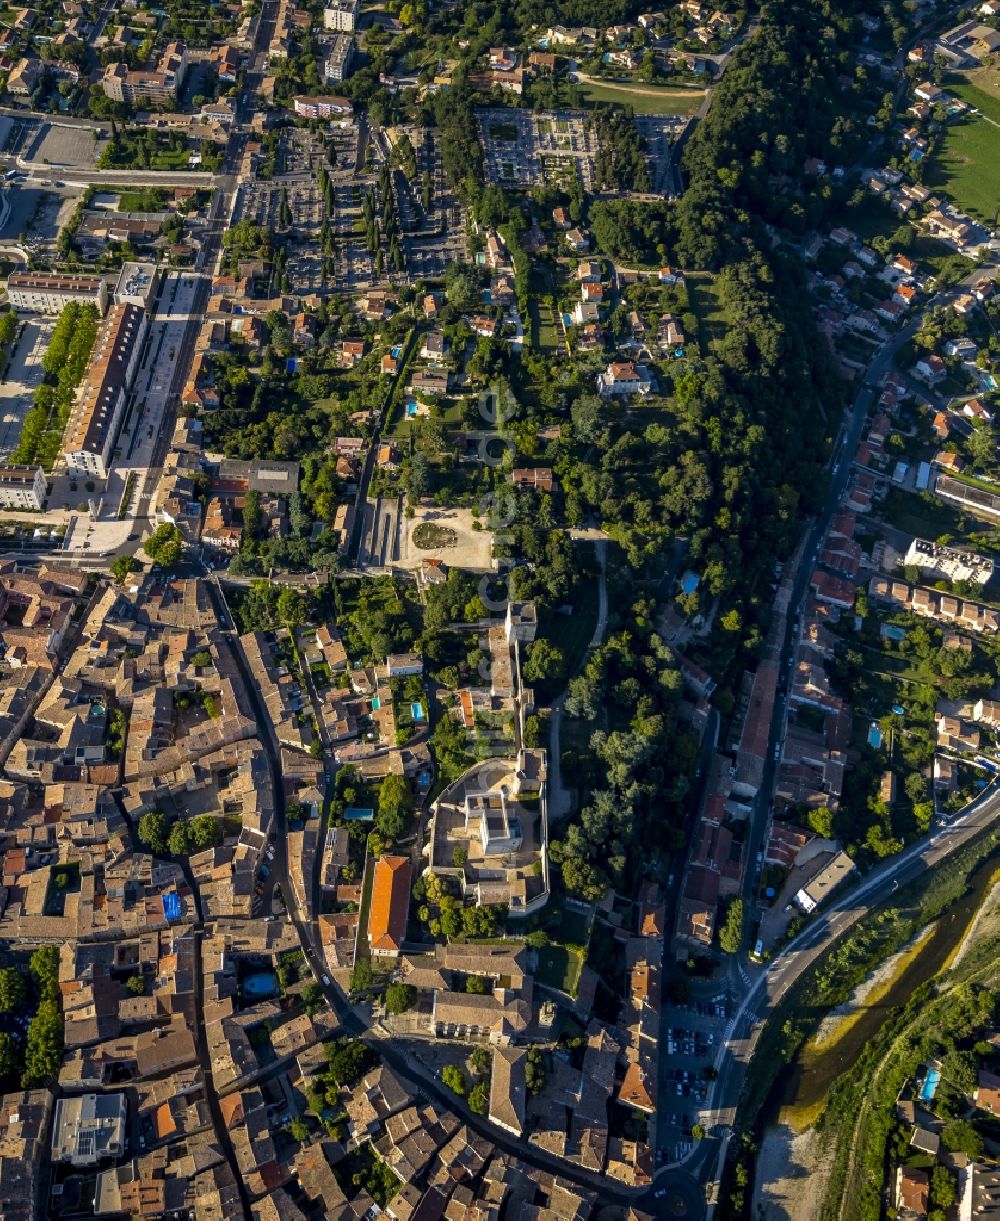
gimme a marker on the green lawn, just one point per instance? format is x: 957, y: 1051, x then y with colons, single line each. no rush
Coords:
x: 559, y: 967
x: 967, y: 165
x: 642, y: 98
x: 925, y: 517
x: 713, y: 322
x: 969, y: 87
x: 544, y: 336
x: 170, y: 159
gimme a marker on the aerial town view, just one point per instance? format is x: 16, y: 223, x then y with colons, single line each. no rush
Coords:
x: 500, y: 610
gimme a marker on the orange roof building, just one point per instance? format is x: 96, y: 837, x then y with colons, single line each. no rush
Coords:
x: 638, y: 1088
x: 390, y: 904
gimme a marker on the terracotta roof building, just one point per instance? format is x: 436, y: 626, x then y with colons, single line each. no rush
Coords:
x: 987, y: 1095
x: 912, y: 1191
x: 390, y: 902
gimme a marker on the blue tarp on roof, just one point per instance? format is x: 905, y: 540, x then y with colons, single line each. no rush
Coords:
x: 172, y: 905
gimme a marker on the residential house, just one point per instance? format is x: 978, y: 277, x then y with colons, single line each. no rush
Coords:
x: 533, y: 478
x: 912, y: 1192
x: 976, y: 409
x: 930, y: 368
x: 623, y: 379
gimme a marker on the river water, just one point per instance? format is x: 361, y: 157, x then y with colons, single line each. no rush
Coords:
x: 807, y: 1080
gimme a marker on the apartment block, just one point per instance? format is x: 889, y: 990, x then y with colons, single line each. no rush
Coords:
x: 341, y: 15
x: 44, y: 293
x: 21, y: 487
x: 96, y: 417
x: 339, y: 58
x: 121, y: 84
x: 950, y: 563
x: 322, y: 107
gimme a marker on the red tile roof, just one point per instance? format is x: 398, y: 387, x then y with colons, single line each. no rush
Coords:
x: 390, y: 901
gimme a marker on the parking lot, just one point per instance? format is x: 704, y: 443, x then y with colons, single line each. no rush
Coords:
x: 23, y: 375
x: 58, y: 145
x: 693, y: 1033
x: 37, y: 214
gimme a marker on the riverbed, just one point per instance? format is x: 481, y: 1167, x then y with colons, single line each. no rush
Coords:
x: 803, y: 1087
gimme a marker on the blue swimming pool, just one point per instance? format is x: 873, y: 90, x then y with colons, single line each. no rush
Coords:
x: 417, y: 712
x: 929, y: 1087
x: 874, y: 735
x: 411, y: 409
x: 376, y: 703
x: 261, y: 983
x: 359, y: 814
x: 891, y: 632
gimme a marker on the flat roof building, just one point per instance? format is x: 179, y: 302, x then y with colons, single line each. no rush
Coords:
x: 824, y: 883
x: 21, y: 487
x: 88, y: 1128
x: 325, y: 107
x: 261, y: 475
x: 341, y: 15
x: 137, y: 284
x: 338, y: 59
x: 43, y: 293
x: 948, y: 563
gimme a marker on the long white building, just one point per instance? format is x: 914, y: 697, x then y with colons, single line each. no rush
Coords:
x: 21, y: 487
x: 37, y: 292
x: 96, y: 418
